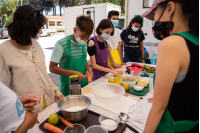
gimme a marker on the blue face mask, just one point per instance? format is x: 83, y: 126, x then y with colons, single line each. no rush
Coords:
x: 135, y: 29
x: 105, y: 36
x: 79, y: 41
x: 115, y: 22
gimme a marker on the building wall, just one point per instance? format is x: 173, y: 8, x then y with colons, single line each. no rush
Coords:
x: 56, y: 22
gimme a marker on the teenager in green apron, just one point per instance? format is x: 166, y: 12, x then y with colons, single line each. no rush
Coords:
x: 182, y: 111
x: 76, y: 64
x: 70, y: 53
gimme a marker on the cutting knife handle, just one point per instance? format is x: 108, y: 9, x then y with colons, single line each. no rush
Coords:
x: 132, y: 129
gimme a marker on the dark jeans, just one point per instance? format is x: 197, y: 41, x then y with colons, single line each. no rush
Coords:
x: 136, y: 59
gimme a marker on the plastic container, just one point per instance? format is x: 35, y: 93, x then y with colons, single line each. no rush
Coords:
x: 108, y: 93
x: 96, y: 129
x: 128, y: 80
x: 135, y: 71
x: 148, y: 72
x: 138, y: 87
x: 109, y: 121
x: 143, y: 71
x: 77, y: 128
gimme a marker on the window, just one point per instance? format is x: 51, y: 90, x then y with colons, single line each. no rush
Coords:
x: 59, y: 23
x: 147, y: 3
x: 51, y: 23
x: 89, y: 13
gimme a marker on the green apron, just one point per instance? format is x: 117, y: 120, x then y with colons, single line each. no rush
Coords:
x: 76, y: 64
x: 167, y: 124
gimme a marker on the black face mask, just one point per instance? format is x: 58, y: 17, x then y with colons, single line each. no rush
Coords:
x: 162, y: 29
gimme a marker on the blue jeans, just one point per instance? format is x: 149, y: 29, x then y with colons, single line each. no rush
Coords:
x: 136, y: 59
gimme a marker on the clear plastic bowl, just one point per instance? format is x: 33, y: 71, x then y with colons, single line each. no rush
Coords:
x: 109, y: 117
x: 108, y: 93
x: 77, y: 128
x: 129, y: 81
x: 143, y: 71
x: 96, y: 129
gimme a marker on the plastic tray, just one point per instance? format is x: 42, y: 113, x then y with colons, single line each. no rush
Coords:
x: 139, y: 93
x: 91, y: 119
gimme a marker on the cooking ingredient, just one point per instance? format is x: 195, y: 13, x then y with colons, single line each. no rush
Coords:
x: 138, y: 88
x: 86, y: 90
x: 150, y: 71
x: 126, y: 78
x: 65, y: 122
x: 54, y: 119
x: 75, y: 108
x: 126, y: 86
x: 145, y: 84
x: 135, y: 65
x: 134, y: 79
x: 52, y: 128
x: 118, y: 82
x: 111, y: 80
x: 142, y: 66
x: 119, y: 76
x: 109, y: 122
x: 89, y: 77
x: 116, y: 78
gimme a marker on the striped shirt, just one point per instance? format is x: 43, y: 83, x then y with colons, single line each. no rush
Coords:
x: 59, y: 54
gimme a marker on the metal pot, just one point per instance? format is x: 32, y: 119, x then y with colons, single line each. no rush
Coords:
x: 73, y: 101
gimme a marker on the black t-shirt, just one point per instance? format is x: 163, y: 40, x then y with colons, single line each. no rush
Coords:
x: 132, y: 43
x: 92, y: 50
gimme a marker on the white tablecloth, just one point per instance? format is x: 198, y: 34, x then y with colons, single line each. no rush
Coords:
x: 140, y: 113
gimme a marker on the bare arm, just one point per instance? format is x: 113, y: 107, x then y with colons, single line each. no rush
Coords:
x: 53, y: 67
x: 168, y: 53
x: 98, y: 67
x: 120, y: 49
x: 28, y: 123
x: 142, y: 49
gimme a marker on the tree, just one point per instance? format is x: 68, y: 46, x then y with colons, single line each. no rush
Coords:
x: 8, y: 8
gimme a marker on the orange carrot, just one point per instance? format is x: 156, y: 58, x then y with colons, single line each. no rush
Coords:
x: 65, y: 122
x: 89, y: 77
x: 52, y: 128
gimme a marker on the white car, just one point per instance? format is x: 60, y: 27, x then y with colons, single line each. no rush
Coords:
x: 48, y: 32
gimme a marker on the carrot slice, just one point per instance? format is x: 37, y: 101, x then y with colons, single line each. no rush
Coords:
x: 52, y: 128
x: 65, y: 122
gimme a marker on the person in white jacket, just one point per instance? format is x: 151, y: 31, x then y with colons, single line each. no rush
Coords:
x: 14, y: 118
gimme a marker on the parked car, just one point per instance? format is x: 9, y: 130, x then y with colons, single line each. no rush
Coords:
x: 3, y: 33
x: 48, y: 32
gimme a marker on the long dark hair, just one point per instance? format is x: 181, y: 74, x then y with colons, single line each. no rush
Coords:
x: 137, y: 19
x: 26, y: 23
x: 105, y: 24
x: 191, y: 8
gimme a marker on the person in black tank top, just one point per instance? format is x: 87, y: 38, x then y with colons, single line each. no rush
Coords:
x: 175, y: 104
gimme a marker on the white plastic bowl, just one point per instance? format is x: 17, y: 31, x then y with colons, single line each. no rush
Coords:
x: 138, y: 87
x: 130, y: 82
x: 109, y: 117
x: 108, y: 94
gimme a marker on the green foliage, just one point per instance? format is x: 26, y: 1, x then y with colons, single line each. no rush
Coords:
x: 7, y: 8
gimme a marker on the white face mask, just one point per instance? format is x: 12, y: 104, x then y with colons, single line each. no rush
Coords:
x: 79, y: 41
x: 135, y: 29
x: 105, y: 36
